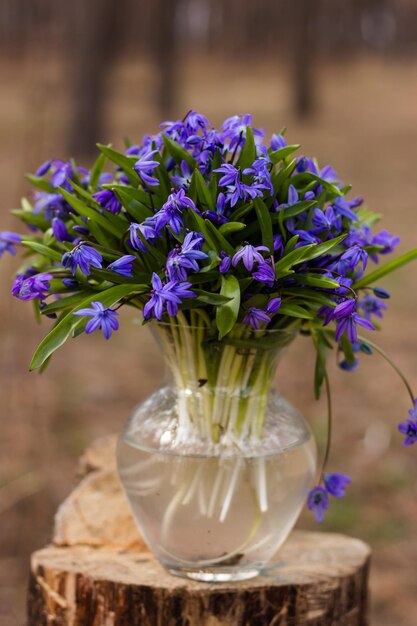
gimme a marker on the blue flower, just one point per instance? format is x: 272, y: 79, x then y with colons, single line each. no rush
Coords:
x: 277, y: 141
x: 101, y: 317
x: 148, y: 232
x: 347, y: 319
x: 61, y: 172
x: 225, y: 262
x: 29, y: 288
x: 84, y: 257
x: 43, y: 169
x: 381, y: 293
x: 60, y: 230
x: 344, y: 208
x: 249, y: 255
x: 184, y: 179
x: 171, y: 211
x: 255, y: 317
x: 195, y: 121
x: 265, y: 274
x: 108, y: 200
x: 123, y: 266
x: 349, y: 367
x: 273, y: 305
x: 318, y: 502
x: 351, y: 259
x: 234, y: 128
x: 145, y: 167
x: 261, y: 175
x: 326, y: 220
x: 8, y: 241
x: 386, y: 240
x: 166, y: 297
x: 371, y: 306
x: 336, y: 484
x: 409, y: 428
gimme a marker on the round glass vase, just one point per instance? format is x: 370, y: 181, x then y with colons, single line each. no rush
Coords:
x: 217, y: 465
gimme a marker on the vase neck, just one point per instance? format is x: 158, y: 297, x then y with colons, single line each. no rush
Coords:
x: 223, y: 385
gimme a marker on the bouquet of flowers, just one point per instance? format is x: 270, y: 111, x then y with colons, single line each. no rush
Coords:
x: 198, y: 227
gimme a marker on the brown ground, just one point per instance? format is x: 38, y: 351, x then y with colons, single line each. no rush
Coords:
x: 367, y: 128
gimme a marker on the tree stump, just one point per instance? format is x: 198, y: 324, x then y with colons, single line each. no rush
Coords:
x: 98, y: 572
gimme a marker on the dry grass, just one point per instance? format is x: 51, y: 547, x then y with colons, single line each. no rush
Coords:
x: 367, y: 128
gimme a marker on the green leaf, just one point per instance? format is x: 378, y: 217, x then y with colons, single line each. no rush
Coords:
x: 178, y: 152
x: 293, y: 210
x: 123, y: 161
x: 112, y: 223
x: 40, y: 183
x: 323, y: 248
x: 264, y: 219
x: 222, y: 243
x: 320, y: 343
x: 282, y: 153
x: 33, y: 219
x: 248, y: 154
x: 347, y: 349
x: 389, y: 267
x: 97, y: 170
x: 68, y: 323
x: 132, y: 200
x: 294, y: 310
x: 40, y: 248
x: 66, y: 303
x: 231, y: 227
x: 226, y: 314
x: 210, y: 298
x: 203, y: 191
x: 292, y: 258
x: 314, y: 280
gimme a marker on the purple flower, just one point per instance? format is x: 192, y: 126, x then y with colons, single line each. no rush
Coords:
x: 8, y: 241
x: 84, y: 257
x: 234, y: 128
x: 277, y: 142
x: 349, y: 367
x: 381, y: 293
x: 273, y: 305
x: 249, y: 255
x: 255, y: 316
x: 105, y: 319
x: 344, y: 208
x: 60, y: 230
x: 185, y: 257
x: 71, y: 283
x: 148, y: 232
x: 194, y: 121
x: 33, y: 287
x: 371, y: 306
x: 351, y: 259
x: 409, y: 429
x: 108, y: 200
x: 306, y: 164
x: 386, y: 240
x: 326, y: 220
x: 348, y: 325
x: 336, y: 484
x: 265, y: 274
x: 61, y: 172
x: 166, y: 297
x: 184, y: 180
x: 43, y: 169
x: 318, y: 502
x: 145, y: 167
x: 123, y: 266
x: 171, y: 211
x: 225, y: 262
x: 261, y: 175
x: 329, y: 175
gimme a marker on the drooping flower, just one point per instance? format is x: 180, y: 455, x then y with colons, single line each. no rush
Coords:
x: 409, y: 428
x: 264, y: 274
x: 234, y: 129
x: 101, y: 317
x: 350, y: 260
x: 381, y: 293
x: 8, y: 240
x: 123, y: 266
x: 255, y: 317
x: 108, y: 200
x: 32, y: 287
x: 60, y: 230
x: 273, y: 305
x: 183, y: 180
x: 336, y: 484
x: 84, y: 257
x: 43, y: 169
x: 277, y: 141
x: 62, y: 171
x: 371, y: 306
x: 318, y: 502
x: 166, y: 297
x: 225, y: 262
x: 249, y: 255
x: 145, y: 167
x: 347, y: 319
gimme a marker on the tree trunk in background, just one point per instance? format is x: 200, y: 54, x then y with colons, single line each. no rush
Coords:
x: 165, y: 53
x: 95, y: 30
x: 302, y: 35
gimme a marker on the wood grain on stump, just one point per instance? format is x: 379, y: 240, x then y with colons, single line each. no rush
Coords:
x: 98, y: 572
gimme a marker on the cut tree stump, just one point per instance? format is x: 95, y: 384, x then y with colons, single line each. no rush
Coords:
x: 98, y: 572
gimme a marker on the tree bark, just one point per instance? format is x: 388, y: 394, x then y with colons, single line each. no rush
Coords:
x: 100, y: 573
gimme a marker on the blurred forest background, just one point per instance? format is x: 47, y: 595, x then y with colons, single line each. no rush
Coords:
x: 342, y: 76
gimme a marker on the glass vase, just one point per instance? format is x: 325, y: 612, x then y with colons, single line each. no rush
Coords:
x: 217, y: 465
